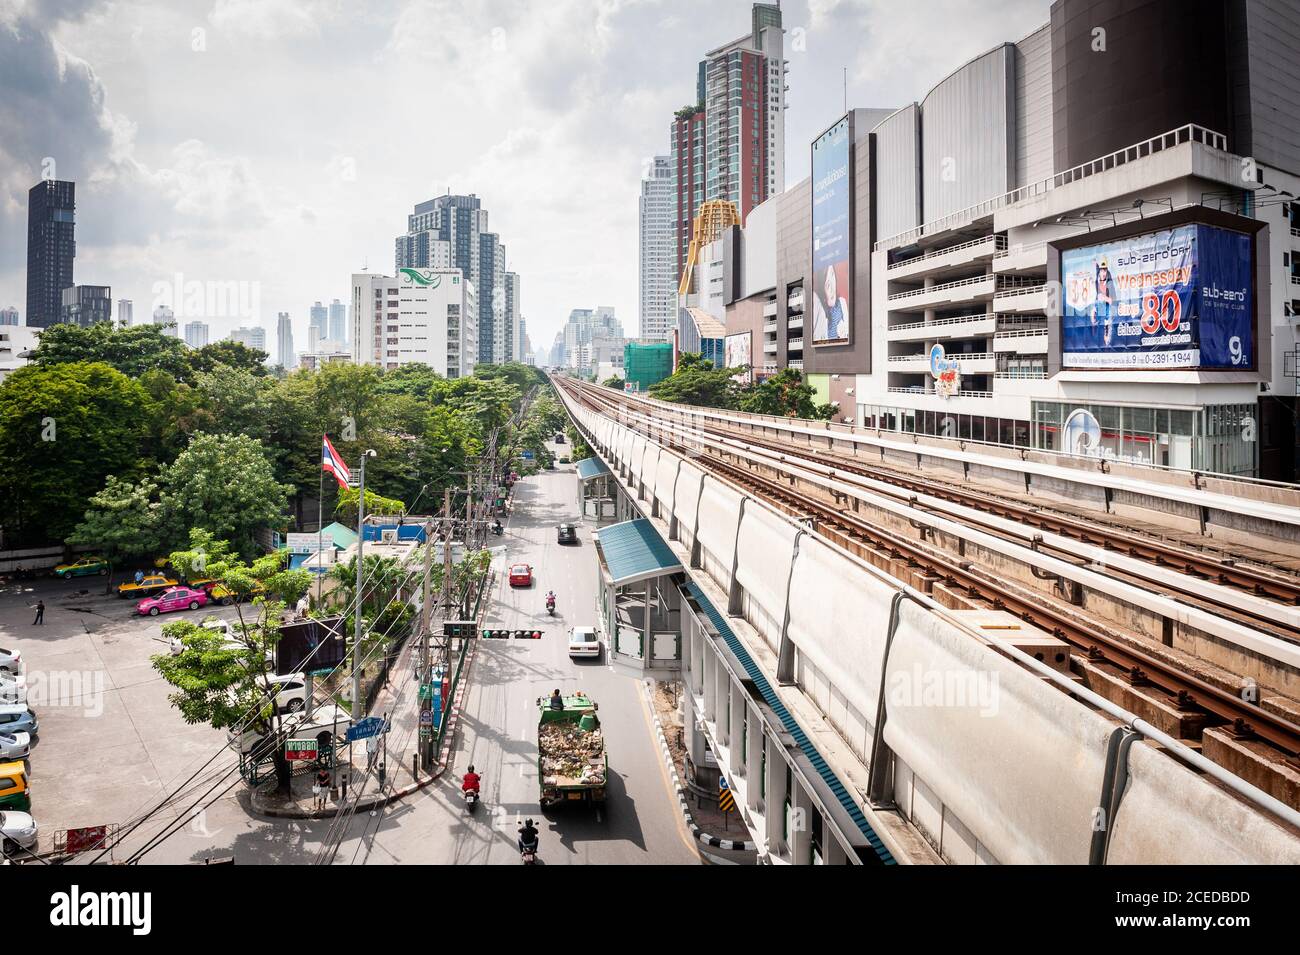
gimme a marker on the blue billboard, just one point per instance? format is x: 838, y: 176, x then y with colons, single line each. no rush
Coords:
x: 1177, y: 298
x: 832, y: 191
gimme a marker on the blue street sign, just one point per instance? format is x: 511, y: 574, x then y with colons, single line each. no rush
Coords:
x: 364, y: 729
x: 722, y: 783
x: 527, y: 455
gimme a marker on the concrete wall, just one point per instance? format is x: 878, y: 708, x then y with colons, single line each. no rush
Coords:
x: 898, y: 172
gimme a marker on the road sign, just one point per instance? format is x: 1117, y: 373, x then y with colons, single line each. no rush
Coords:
x: 300, y: 749
x: 426, y: 717
x: 527, y: 455
x: 726, y: 798
x: 364, y: 729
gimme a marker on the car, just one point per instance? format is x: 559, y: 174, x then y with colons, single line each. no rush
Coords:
x: 559, y: 437
x: 521, y: 575
x: 15, y: 745
x: 18, y: 718
x: 149, y: 584
x: 566, y: 534
x: 327, y: 722
x: 11, y: 661
x: 221, y: 594
x: 82, y: 568
x: 584, y: 642
x: 178, y: 598
x: 292, y: 691
x: 17, y: 829
x: 13, y: 687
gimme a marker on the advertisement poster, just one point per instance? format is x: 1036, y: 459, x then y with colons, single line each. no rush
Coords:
x: 832, y: 184
x: 738, y: 356
x: 1177, y: 298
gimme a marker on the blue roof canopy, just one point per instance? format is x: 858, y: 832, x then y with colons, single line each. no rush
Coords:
x: 591, y: 467
x: 634, y: 551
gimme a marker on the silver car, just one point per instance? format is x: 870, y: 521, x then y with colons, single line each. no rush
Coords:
x: 17, y: 828
x: 15, y: 745
x: 11, y: 660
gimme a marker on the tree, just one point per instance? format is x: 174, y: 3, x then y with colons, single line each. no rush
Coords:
x: 132, y: 351
x: 63, y: 429
x: 231, y: 354
x: 697, y: 382
x: 346, y: 509
x: 785, y: 394
x: 205, y: 557
x: 227, y: 482
x: 122, y: 521
x: 613, y: 381
x: 415, y: 380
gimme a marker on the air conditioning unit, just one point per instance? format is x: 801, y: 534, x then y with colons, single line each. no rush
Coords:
x: 388, y: 535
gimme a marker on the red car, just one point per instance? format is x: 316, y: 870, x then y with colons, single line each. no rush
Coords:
x: 521, y: 575
x: 176, y: 598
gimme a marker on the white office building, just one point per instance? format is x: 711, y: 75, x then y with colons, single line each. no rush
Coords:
x: 196, y: 334
x: 426, y: 316
x: 284, y: 340
x: 657, y: 270
x: 250, y: 336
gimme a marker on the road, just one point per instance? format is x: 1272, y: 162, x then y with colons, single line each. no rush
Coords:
x: 640, y: 822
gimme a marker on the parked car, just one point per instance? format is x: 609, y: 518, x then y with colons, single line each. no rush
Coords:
x: 327, y: 722
x: 584, y: 642
x: 178, y: 598
x: 150, y: 584
x: 82, y: 568
x: 18, y: 718
x: 15, y: 789
x: 11, y: 661
x: 13, y: 687
x: 15, y: 745
x: 17, y: 829
x: 566, y: 534
x: 221, y: 594
x: 521, y: 575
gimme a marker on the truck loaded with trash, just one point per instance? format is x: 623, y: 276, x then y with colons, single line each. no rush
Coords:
x: 571, y: 762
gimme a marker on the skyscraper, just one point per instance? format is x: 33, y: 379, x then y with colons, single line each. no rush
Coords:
x: 657, y: 271
x: 86, y: 304
x: 164, y: 316
x: 338, y: 327
x: 320, y: 320
x: 284, y: 339
x: 514, y: 326
x: 196, y: 334
x: 125, y: 312
x: 687, y: 162
x: 492, y: 295
x: 51, y: 249
x: 8, y: 316
x: 252, y: 337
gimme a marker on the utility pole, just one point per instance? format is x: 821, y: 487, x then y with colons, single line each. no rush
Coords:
x: 425, y: 678
x: 361, y: 541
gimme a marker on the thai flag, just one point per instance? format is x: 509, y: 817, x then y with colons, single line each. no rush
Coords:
x: 332, y: 461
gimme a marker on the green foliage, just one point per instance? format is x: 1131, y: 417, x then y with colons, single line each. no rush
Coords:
x: 206, y: 557
x: 235, y: 355
x: 64, y: 428
x: 785, y: 394
x: 132, y: 351
x: 346, y: 510
x: 613, y: 381
x: 697, y: 382
x: 122, y: 521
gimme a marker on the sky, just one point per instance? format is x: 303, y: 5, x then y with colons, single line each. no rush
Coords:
x: 280, y: 144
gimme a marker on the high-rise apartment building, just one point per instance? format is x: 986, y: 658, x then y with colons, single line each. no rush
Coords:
x: 86, y: 304
x: 125, y: 312
x: 8, y: 316
x: 251, y: 337
x: 657, y: 271
x: 492, y: 294
x: 284, y: 339
x: 196, y: 334
x: 514, y: 323
x: 429, y: 316
x: 164, y: 316
x: 687, y: 162
x: 338, y: 324
x: 320, y: 320
x: 51, y: 249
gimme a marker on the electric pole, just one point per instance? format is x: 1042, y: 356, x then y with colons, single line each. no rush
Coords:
x: 361, y: 541
x: 425, y: 677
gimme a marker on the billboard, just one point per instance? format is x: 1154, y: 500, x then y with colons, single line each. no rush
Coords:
x: 1177, y: 298
x: 311, y: 645
x: 738, y: 354
x: 832, y: 224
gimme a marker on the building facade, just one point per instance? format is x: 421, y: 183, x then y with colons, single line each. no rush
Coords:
x: 283, y: 340
x: 9, y: 316
x: 164, y: 316
x: 86, y: 304
x: 658, y: 269
x: 51, y: 249
x: 125, y: 312
x: 338, y: 322
x: 429, y: 316
x: 253, y: 336
x: 196, y: 334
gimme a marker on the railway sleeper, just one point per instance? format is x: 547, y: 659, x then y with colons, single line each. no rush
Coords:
x: 1143, y: 699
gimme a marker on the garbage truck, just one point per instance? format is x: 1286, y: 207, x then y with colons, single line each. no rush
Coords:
x: 571, y: 761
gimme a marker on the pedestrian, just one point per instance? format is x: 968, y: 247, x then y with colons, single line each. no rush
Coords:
x: 40, y: 614
x: 139, y: 577
x: 322, y: 787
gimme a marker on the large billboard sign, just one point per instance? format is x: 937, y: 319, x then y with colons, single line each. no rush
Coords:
x: 1178, y: 298
x: 738, y: 355
x: 832, y: 225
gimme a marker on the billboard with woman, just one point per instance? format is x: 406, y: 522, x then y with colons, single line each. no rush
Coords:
x: 832, y: 223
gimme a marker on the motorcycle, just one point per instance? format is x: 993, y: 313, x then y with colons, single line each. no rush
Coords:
x: 528, y: 853
x: 550, y: 606
x: 498, y: 529
x: 471, y: 799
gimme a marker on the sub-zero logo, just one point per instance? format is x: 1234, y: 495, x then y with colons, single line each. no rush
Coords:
x: 77, y: 908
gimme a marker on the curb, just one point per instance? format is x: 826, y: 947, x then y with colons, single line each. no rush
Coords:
x: 378, y: 799
x: 699, y: 834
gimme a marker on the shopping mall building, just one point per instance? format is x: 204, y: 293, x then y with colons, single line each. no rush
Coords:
x: 1085, y: 241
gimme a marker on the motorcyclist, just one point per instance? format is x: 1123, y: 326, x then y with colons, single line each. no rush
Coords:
x: 528, y: 836
x: 471, y: 781
x: 496, y: 528
x: 550, y: 600
x: 557, y: 701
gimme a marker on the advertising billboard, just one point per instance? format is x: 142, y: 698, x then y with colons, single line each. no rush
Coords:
x: 1177, y: 298
x: 738, y: 355
x: 832, y: 225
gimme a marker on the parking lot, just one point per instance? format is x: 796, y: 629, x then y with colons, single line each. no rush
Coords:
x: 109, y: 740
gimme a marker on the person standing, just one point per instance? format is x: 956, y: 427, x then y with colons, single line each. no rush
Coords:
x: 40, y: 614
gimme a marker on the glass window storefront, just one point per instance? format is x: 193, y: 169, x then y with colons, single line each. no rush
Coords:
x: 1215, y: 438
x: 941, y: 424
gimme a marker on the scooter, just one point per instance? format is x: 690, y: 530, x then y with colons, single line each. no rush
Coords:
x: 498, y: 529
x: 528, y: 853
x: 550, y: 606
x: 471, y: 799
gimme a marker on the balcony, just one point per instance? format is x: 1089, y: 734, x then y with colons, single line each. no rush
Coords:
x: 794, y: 344
x: 977, y: 288
x: 922, y: 392
x: 1021, y: 258
x: 795, y: 323
x: 1020, y: 296
x: 968, y: 363
x: 769, y: 310
x: 937, y: 261
x: 962, y: 326
x: 1029, y: 341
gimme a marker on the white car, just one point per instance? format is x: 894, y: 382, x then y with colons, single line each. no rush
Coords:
x: 292, y: 695
x: 13, y: 687
x: 584, y: 642
x: 17, y: 828
x: 11, y: 661
x: 327, y: 722
x: 15, y: 745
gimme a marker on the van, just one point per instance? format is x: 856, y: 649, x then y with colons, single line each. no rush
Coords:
x: 15, y: 791
x: 17, y: 718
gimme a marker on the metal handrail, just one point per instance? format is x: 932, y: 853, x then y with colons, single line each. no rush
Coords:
x: 1188, y: 133
x: 912, y: 293
x: 999, y: 244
